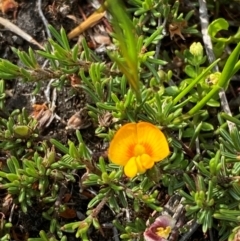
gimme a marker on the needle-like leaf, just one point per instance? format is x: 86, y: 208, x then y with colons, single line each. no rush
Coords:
x: 125, y: 34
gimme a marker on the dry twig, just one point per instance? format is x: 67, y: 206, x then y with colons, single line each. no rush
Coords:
x: 15, y: 29
x: 204, y: 19
x: 44, y: 20
x: 89, y: 22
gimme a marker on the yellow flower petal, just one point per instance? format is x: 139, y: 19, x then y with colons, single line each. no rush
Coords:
x: 164, y: 232
x: 153, y: 140
x: 138, y: 150
x: 122, y: 146
x: 139, y: 164
x: 147, y: 161
x: 130, y: 169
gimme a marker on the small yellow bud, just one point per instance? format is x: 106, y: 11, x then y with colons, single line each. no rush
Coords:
x: 213, y: 78
x: 196, y: 49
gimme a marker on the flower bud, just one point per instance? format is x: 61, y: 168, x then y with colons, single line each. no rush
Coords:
x: 196, y: 49
x: 213, y: 78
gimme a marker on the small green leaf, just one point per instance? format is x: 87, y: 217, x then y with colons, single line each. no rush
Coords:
x: 65, y: 41
x: 190, y: 71
x: 59, y: 146
x: 12, y: 177
x: 207, y: 126
x: 56, y: 34
x: 213, y: 103
x: 216, y: 26
x: 21, y: 131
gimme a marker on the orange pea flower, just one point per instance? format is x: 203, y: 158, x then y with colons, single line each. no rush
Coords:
x: 137, y: 146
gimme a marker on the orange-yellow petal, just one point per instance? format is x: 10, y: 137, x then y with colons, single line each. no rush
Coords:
x: 140, y: 167
x: 147, y: 161
x: 153, y: 140
x: 122, y: 146
x: 138, y: 150
x: 130, y: 169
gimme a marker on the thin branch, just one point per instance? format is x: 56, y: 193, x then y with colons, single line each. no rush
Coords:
x: 158, y: 46
x: 15, y: 29
x: 204, y: 19
x: 44, y: 20
x: 91, y: 21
